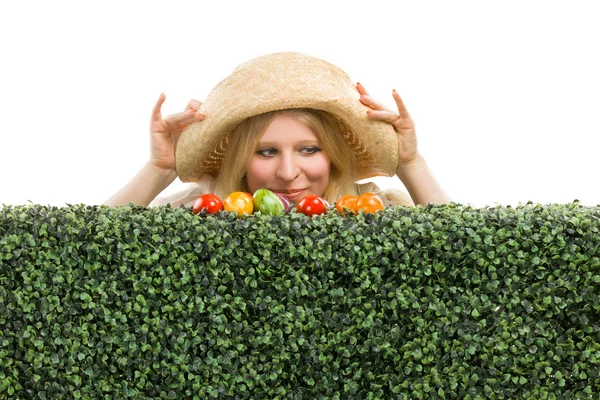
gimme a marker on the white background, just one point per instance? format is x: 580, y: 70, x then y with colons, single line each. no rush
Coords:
x: 505, y: 94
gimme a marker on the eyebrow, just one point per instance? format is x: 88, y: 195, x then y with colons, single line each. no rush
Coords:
x: 301, y: 143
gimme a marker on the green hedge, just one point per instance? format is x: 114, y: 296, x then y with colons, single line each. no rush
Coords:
x: 410, y: 303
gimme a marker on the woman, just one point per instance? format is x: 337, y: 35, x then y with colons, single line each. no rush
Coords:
x: 290, y: 123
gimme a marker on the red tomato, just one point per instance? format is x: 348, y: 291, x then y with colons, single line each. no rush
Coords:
x: 241, y: 202
x: 347, y: 203
x: 209, y: 202
x: 369, y: 202
x: 312, y: 205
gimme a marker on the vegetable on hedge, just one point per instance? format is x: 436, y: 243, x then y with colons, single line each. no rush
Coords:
x: 410, y: 303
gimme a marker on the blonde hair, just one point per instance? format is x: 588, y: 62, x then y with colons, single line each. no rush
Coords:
x: 243, y: 142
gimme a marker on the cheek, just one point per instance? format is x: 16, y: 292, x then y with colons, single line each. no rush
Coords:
x: 320, y: 169
x: 256, y: 175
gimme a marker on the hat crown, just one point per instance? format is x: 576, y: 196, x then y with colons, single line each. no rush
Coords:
x: 264, y: 79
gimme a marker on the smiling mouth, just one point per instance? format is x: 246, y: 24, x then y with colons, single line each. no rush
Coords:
x: 289, y: 191
x: 291, y: 195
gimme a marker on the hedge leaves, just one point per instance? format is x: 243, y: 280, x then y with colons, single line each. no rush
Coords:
x: 411, y: 303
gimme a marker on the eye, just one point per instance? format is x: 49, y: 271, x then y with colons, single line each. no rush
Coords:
x: 310, y: 150
x: 266, y: 152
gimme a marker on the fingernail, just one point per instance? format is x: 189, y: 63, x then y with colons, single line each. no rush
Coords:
x: 200, y: 115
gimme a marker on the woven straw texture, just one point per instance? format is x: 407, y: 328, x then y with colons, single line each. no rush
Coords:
x: 280, y: 81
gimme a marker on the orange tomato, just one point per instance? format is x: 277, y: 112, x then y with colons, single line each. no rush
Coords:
x: 369, y: 202
x: 241, y: 202
x: 347, y: 203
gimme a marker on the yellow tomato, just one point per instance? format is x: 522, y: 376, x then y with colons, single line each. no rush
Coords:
x: 240, y: 202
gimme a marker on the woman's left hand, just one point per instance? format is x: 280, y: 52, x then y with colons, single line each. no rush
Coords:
x: 400, y: 120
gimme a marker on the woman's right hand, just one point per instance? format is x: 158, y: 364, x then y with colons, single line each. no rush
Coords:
x: 165, y: 132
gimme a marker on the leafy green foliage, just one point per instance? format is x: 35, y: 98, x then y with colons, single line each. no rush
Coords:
x: 411, y: 303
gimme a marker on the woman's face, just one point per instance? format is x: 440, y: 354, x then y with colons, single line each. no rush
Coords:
x: 289, y: 160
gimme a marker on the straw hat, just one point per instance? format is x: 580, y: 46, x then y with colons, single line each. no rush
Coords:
x: 280, y: 81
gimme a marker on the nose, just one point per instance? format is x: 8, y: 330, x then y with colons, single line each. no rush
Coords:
x: 288, y: 168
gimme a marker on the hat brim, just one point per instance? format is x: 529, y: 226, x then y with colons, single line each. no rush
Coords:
x: 284, y: 81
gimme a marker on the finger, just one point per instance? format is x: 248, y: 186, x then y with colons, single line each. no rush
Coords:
x: 184, y: 118
x: 384, y: 115
x: 193, y: 104
x: 361, y: 89
x: 400, y: 104
x: 197, y: 117
x: 156, y: 115
x: 368, y: 101
x: 400, y: 124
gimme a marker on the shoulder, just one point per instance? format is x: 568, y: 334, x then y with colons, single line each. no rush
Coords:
x: 187, y: 194
x: 390, y: 196
x: 396, y: 197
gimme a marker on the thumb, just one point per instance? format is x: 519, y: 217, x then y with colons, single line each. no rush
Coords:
x: 156, y: 115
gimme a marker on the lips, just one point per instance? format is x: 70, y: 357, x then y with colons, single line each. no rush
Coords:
x: 292, y: 191
x: 293, y: 194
